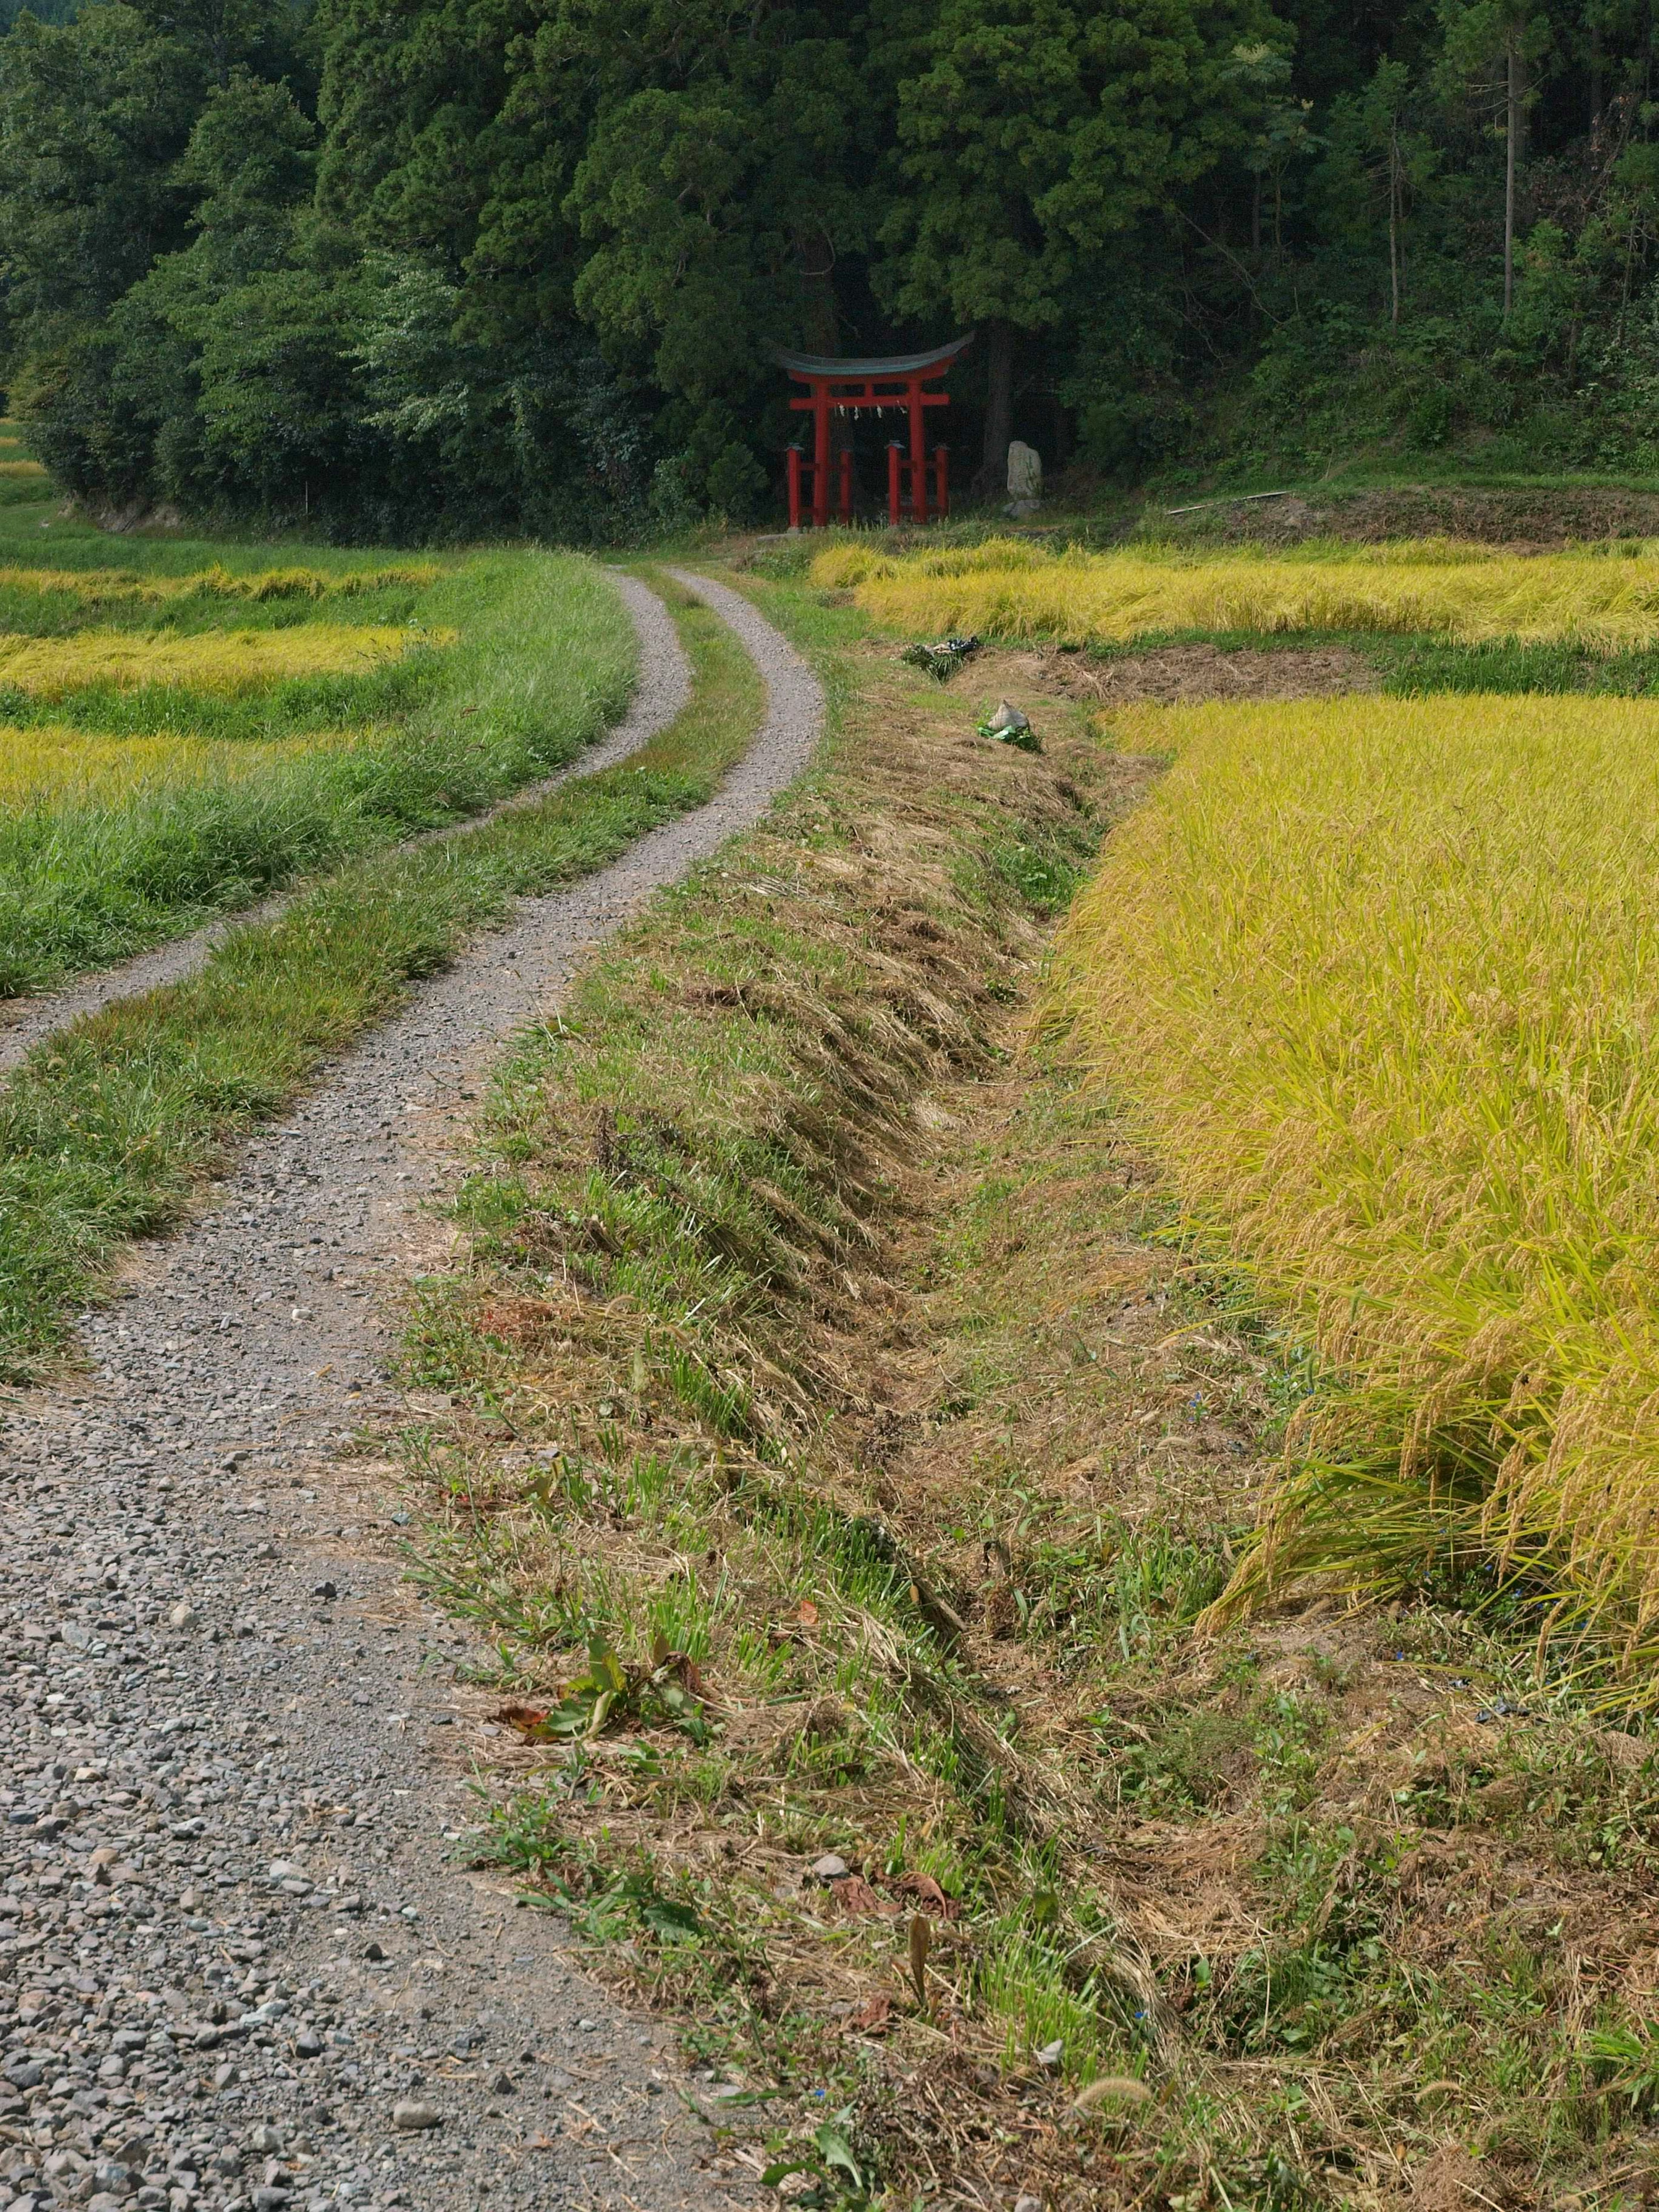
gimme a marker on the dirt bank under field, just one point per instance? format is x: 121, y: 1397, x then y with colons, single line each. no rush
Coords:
x: 1169, y: 674
x: 1522, y: 521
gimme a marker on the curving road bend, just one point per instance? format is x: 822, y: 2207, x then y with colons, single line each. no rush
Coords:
x: 236, y: 1968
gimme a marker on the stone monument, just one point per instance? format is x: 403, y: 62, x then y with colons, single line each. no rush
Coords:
x: 1025, y: 479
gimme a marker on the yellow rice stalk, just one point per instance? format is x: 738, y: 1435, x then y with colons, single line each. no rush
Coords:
x: 21, y: 469
x: 1471, y: 595
x: 224, y: 662
x: 56, y: 764
x: 100, y: 585
x: 853, y: 563
x: 1382, y: 979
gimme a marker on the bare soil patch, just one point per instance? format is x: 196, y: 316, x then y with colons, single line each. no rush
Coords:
x: 1185, y: 673
x: 1522, y: 520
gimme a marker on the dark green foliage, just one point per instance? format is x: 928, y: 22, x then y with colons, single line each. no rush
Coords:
x: 515, y: 264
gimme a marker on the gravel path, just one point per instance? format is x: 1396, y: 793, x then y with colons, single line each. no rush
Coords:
x: 663, y: 688
x: 237, y: 1967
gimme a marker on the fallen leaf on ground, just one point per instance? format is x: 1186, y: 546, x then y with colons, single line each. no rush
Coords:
x: 808, y: 1614
x: 921, y: 1942
x: 527, y: 1719
x: 873, y: 2016
x: 853, y: 1894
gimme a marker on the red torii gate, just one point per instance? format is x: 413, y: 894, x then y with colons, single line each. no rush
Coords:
x: 898, y: 383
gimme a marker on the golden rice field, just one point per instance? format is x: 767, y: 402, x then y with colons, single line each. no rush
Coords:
x: 55, y: 764
x: 1467, y: 594
x: 1380, y: 979
x: 223, y: 663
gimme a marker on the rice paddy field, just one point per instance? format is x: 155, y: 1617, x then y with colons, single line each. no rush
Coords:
x: 186, y: 726
x: 1601, y: 598
x: 1383, y: 978
x: 1377, y: 980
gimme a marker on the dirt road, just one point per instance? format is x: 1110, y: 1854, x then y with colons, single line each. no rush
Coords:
x: 243, y: 1969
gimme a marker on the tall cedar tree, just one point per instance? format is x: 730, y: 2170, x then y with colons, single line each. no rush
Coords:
x: 455, y: 265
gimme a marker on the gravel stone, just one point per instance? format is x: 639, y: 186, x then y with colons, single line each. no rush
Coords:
x: 233, y: 1936
x: 413, y: 2115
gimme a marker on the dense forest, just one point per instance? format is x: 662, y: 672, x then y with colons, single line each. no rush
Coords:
x: 415, y: 266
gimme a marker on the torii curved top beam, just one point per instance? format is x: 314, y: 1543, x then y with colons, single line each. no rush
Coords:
x: 808, y: 365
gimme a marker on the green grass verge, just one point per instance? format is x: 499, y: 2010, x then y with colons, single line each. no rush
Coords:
x: 545, y: 656
x: 25, y: 611
x: 106, y: 1130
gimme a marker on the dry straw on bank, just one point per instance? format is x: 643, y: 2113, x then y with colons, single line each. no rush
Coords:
x: 1383, y: 978
x: 1470, y: 594
x: 223, y: 662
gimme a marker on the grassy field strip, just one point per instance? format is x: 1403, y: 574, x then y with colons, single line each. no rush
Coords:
x: 1383, y: 979
x: 142, y: 767
x: 1471, y: 596
x: 59, y: 765
x: 23, y: 483
x: 227, y: 663
x: 107, y: 1128
x: 107, y: 587
x: 397, y: 740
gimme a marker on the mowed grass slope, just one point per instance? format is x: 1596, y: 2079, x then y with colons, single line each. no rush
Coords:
x: 1602, y: 599
x: 186, y: 726
x: 1383, y: 980
x: 829, y: 1455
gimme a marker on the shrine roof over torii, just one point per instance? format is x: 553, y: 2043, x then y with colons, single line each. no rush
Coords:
x: 812, y: 368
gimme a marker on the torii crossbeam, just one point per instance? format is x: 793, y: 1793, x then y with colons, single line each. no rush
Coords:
x: 899, y: 383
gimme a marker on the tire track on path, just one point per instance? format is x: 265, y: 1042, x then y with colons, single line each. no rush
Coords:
x: 235, y: 1947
